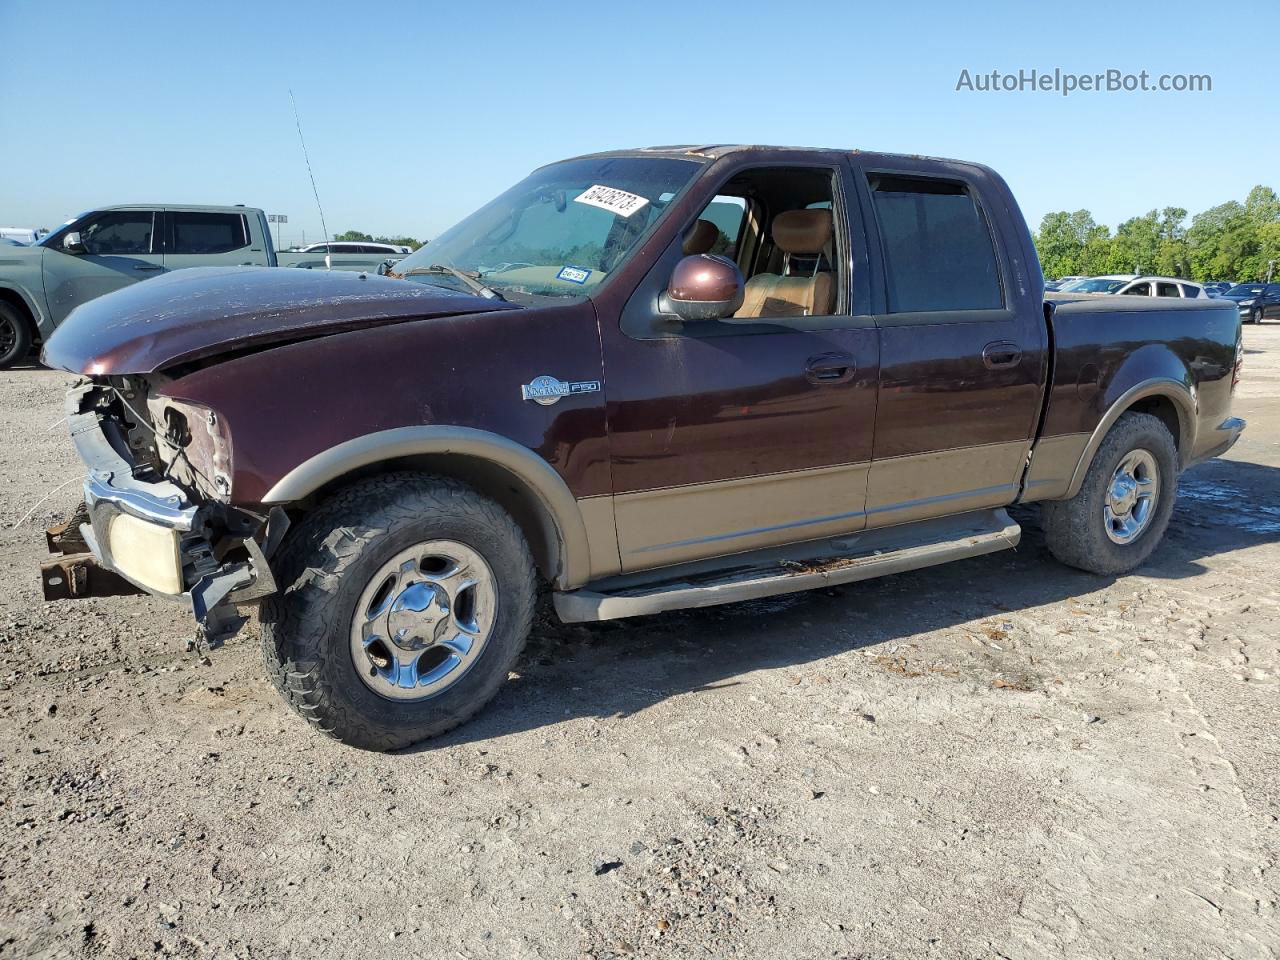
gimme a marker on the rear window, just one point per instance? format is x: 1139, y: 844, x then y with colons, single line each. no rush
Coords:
x: 207, y: 233
x: 1167, y: 290
x: 1190, y: 291
x: 937, y: 246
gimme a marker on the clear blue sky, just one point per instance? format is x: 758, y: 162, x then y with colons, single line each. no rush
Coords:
x: 415, y: 113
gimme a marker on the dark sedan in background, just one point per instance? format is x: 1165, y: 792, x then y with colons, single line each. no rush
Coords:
x: 1257, y: 301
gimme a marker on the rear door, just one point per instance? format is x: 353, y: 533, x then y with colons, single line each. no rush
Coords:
x: 962, y: 341
x: 120, y: 247
x: 199, y: 238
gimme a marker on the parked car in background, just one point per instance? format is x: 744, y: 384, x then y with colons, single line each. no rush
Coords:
x: 343, y: 255
x: 649, y: 427
x: 1216, y: 288
x: 113, y: 247
x: 358, y: 246
x: 1137, y: 286
x: 23, y: 235
x: 1256, y: 301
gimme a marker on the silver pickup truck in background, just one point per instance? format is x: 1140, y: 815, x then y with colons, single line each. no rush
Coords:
x: 112, y: 247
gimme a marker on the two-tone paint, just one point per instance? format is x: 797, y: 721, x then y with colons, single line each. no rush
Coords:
x: 707, y: 439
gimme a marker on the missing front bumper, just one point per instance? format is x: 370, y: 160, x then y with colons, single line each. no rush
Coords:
x: 77, y: 575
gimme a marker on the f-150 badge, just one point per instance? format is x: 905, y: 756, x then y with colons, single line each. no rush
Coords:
x: 547, y: 390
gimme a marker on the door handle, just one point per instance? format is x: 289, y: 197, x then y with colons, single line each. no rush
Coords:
x: 1001, y: 355
x: 830, y: 368
x: 148, y: 266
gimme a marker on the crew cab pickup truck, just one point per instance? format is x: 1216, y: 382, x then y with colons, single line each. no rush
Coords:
x: 113, y: 247
x: 567, y: 389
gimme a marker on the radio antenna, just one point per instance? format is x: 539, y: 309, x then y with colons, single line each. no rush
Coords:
x: 303, y: 141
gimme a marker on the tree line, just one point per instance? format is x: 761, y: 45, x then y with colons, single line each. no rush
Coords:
x: 1233, y: 241
x: 358, y: 236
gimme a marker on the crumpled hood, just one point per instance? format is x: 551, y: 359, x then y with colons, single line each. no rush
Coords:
x: 203, y: 311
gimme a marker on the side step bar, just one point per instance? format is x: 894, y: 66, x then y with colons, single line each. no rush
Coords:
x: 804, y: 566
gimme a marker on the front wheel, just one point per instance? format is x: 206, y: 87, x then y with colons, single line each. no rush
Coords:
x: 1123, y: 507
x: 405, y: 601
x: 15, y: 336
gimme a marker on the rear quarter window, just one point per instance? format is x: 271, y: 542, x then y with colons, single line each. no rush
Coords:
x: 937, y: 246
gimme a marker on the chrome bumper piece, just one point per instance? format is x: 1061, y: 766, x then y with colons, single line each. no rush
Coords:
x: 115, y: 486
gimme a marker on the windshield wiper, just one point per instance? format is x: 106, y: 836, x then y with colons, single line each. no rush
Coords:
x: 472, y: 284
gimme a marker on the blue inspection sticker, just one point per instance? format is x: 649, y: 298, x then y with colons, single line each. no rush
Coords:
x: 573, y: 274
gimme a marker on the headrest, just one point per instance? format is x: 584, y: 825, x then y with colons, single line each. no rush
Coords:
x: 803, y: 232
x: 700, y: 238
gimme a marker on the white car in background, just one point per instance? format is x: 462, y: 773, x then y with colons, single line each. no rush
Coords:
x: 23, y: 235
x: 357, y: 246
x: 1136, y: 285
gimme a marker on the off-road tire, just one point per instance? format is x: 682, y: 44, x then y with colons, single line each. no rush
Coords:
x: 15, y: 331
x: 1075, y: 530
x: 325, y: 563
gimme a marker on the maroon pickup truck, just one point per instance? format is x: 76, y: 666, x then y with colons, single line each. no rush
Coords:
x: 647, y: 379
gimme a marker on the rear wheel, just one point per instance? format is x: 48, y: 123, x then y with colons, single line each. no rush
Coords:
x: 409, y: 598
x: 1123, y: 507
x: 15, y: 335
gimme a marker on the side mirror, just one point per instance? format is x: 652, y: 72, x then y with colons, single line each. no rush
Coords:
x: 703, y: 287
x: 72, y: 243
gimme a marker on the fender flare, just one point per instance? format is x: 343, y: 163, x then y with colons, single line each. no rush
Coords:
x: 553, y: 495
x: 1176, y: 391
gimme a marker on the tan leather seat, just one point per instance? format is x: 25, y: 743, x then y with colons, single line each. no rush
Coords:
x: 797, y: 233
x: 701, y: 238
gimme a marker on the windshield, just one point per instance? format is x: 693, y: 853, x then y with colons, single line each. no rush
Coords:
x: 560, y: 231
x: 1092, y: 285
x: 1245, y: 290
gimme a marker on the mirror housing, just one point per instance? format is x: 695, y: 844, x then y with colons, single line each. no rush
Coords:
x: 704, y: 287
x: 72, y: 243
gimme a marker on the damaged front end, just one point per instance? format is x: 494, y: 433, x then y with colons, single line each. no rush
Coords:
x: 157, y: 516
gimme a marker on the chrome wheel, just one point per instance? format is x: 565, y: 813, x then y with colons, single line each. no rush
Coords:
x: 423, y: 620
x: 1131, y: 497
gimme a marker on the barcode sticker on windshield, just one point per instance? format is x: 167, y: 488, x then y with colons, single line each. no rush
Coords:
x: 609, y: 198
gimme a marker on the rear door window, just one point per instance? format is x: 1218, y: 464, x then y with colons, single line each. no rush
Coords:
x: 937, y: 246
x: 207, y: 233
x: 1167, y: 290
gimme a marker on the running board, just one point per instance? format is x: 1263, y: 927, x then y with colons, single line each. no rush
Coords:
x: 803, y: 566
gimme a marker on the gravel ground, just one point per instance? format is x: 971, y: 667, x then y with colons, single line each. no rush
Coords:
x: 998, y: 758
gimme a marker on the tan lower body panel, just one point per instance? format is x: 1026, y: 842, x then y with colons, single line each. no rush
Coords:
x: 1052, y: 466
x: 943, y: 482
x: 660, y: 527
x: 602, y: 535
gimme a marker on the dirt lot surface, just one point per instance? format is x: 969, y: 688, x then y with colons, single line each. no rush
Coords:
x: 998, y: 758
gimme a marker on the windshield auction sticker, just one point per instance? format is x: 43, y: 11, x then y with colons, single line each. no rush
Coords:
x: 609, y: 198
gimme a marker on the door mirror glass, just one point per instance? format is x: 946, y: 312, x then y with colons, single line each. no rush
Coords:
x: 72, y: 243
x: 703, y: 287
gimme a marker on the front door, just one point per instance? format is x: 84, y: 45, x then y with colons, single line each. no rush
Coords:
x: 962, y: 347
x: 120, y: 248
x: 728, y: 436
